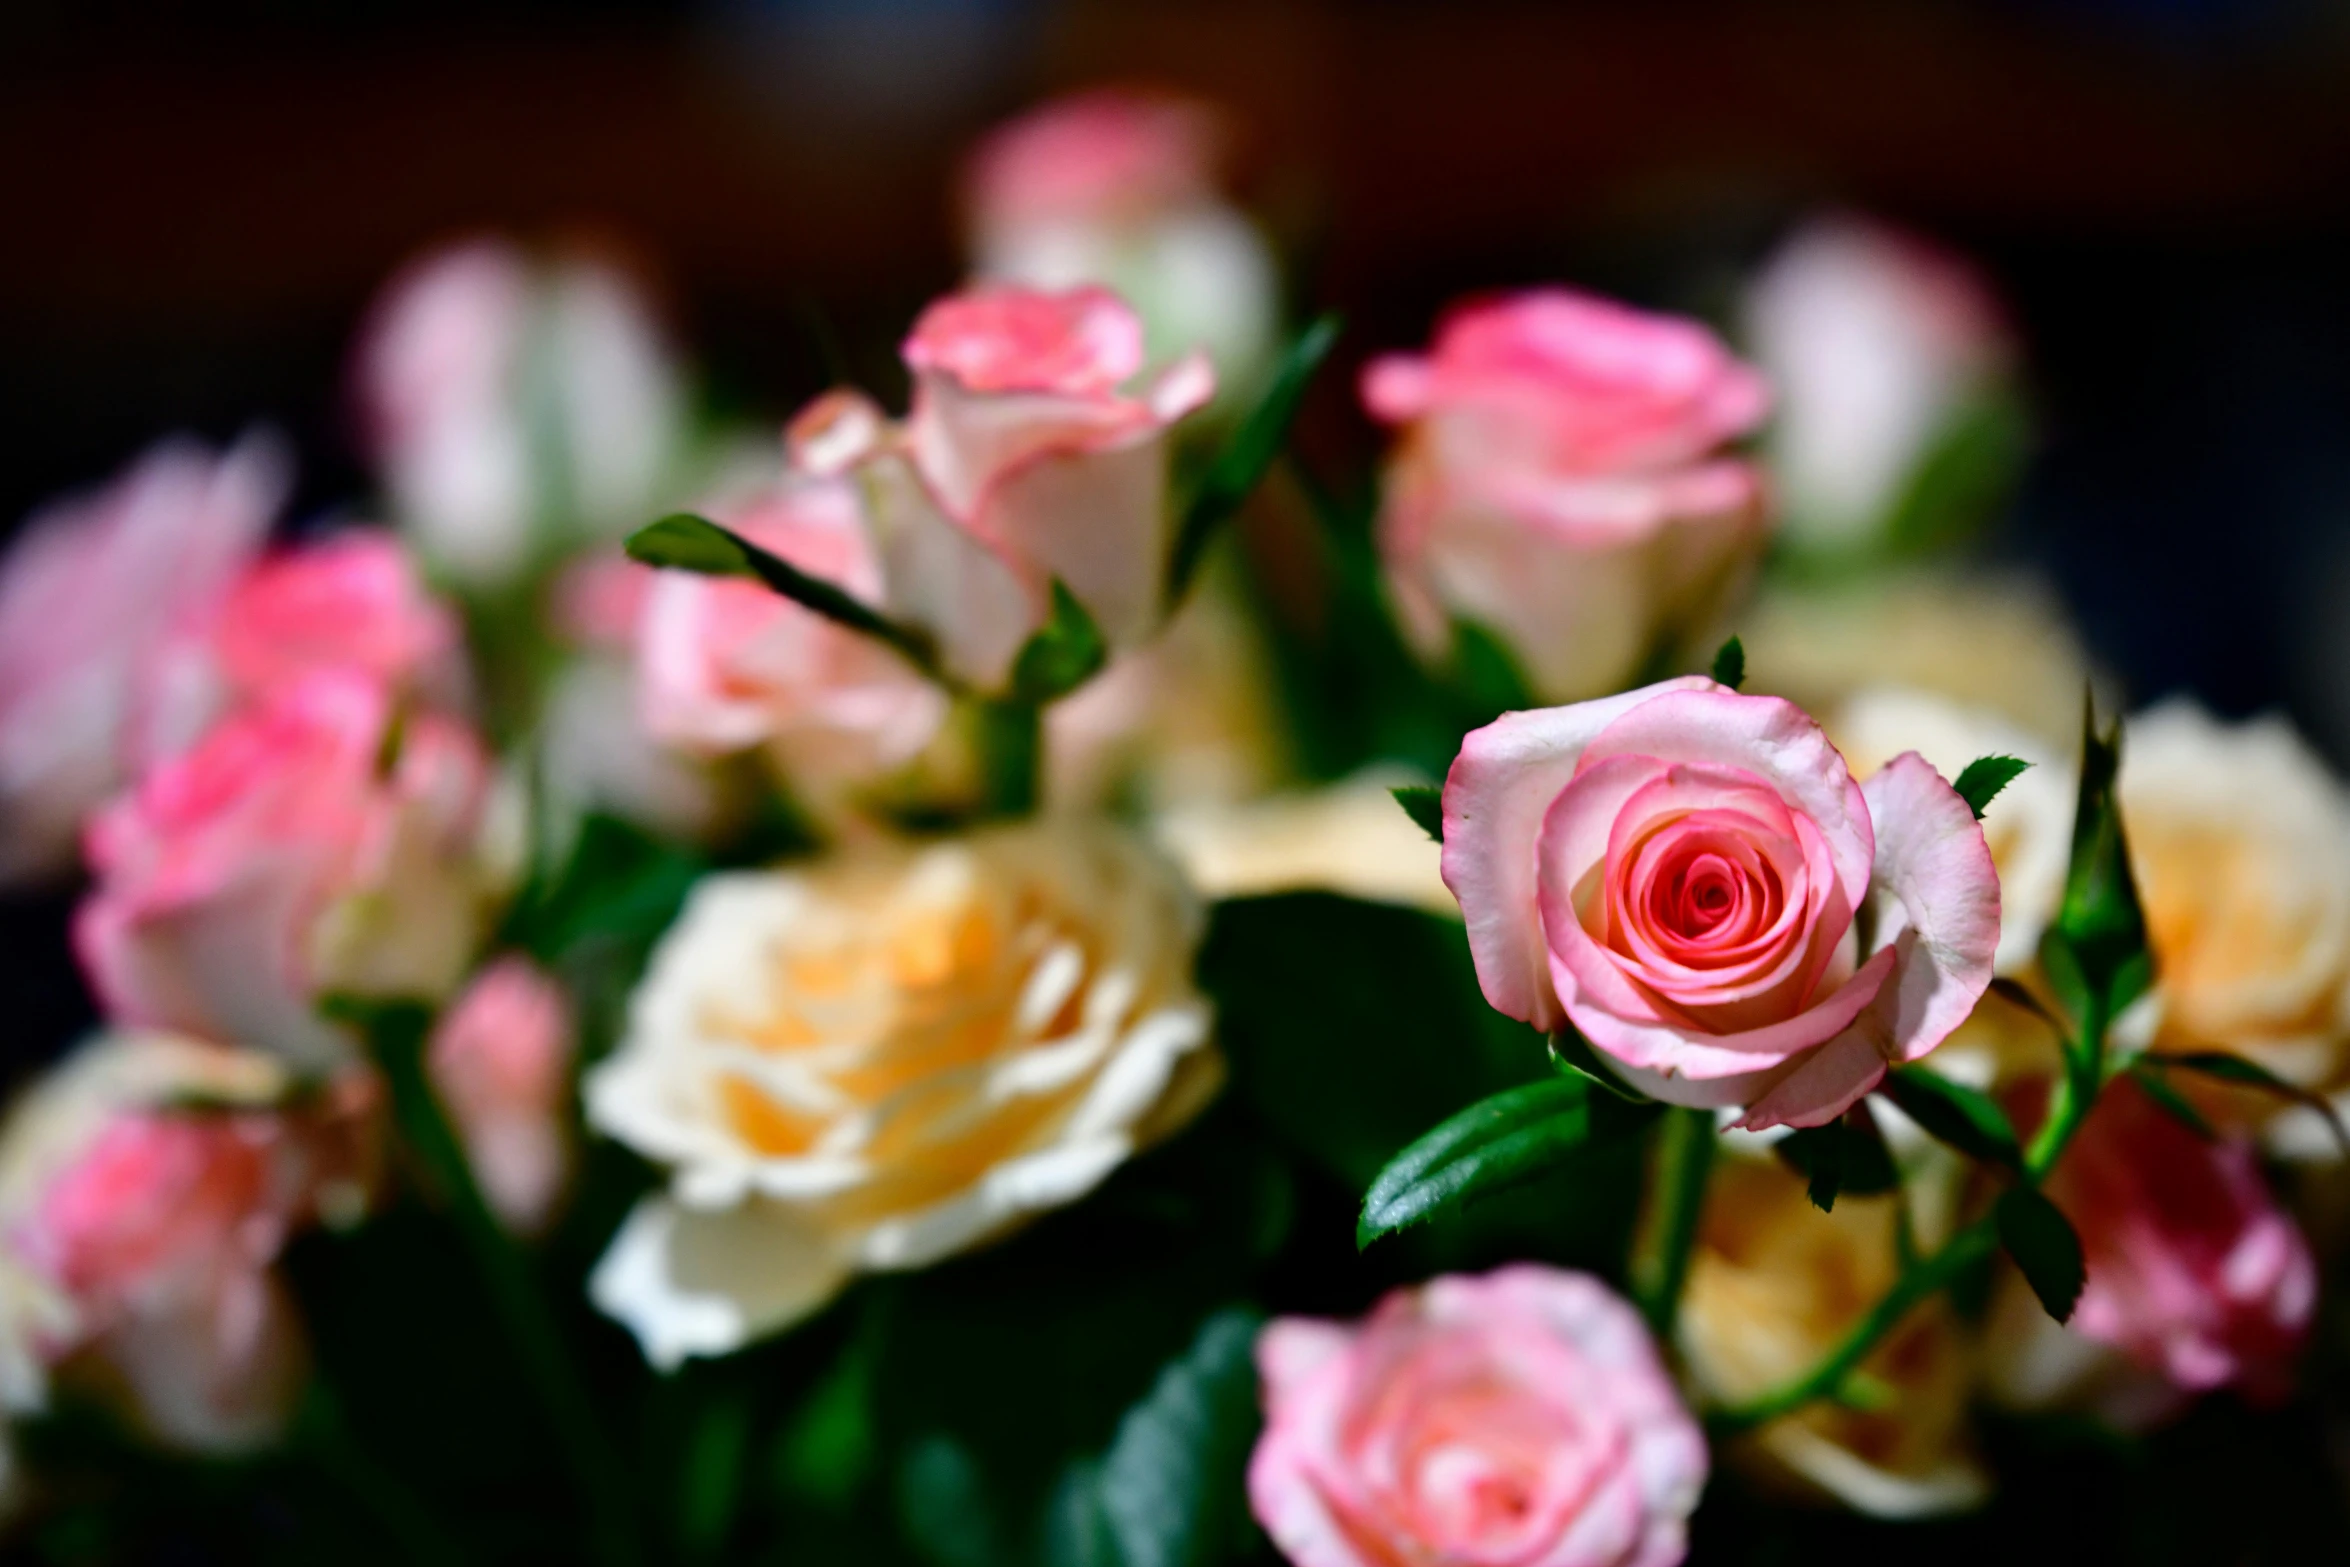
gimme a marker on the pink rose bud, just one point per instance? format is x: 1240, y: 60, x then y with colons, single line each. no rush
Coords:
x: 1560, y: 483
x: 92, y: 590
x: 310, y: 844
x: 1676, y: 872
x: 501, y: 1061
x: 1521, y: 1417
x: 2194, y: 1271
x: 725, y: 666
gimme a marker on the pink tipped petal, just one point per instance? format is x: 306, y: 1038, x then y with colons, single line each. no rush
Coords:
x: 1291, y: 1349
x: 1183, y: 388
x: 1495, y: 797
x: 1829, y: 1082
x: 1938, y: 903
x: 1679, y: 1050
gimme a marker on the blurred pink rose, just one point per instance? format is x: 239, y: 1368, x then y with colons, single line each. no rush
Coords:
x: 93, y: 588
x: 350, y: 602
x: 1093, y: 154
x: 726, y: 666
x: 1677, y: 872
x: 501, y: 1060
x: 1560, y: 483
x: 2194, y: 1271
x: 1022, y: 461
x: 287, y: 857
x: 1520, y: 1417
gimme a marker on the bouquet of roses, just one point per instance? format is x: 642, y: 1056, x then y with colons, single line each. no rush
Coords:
x: 1037, y: 980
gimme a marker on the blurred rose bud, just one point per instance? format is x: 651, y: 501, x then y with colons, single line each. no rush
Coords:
x: 885, y: 1058
x: 2196, y: 1276
x: 350, y: 602
x: 1876, y: 344
x: 1120, y: 187
x: 1522, y: 1416
x: 147, y: 1185
x: 727, y: 666
x: 1774, y: 1286
x: 93, y: 589
x: 1560, y: 483
x: 512, y: 407
x: 501, y: 1061
x: 1683, y: 873
x: 315, y: 843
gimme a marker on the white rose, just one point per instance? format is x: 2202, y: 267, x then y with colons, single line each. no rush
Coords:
x: 888, y: 1057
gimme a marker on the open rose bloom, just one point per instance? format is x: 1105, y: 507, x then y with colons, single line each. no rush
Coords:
x: 1518, y: 1417
x: 1693, y: 880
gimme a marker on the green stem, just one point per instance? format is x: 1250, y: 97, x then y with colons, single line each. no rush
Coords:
x: 398, y: 1511
x: 1011, y: 754
x: 400, y: 1035
x: 1660, y: 1266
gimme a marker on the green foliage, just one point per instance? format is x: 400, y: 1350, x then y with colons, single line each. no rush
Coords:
x: 1729, y: 667
x: 1846, y: 1155
x: 1968, y: 1119
x: 1982, y: 779
x: 2240, y: 1072
x: 1251, y: 449
x: 2170, y: 1101
x: 1570, y: 1052
x: 1061, y: 655
x: 1487, y: 681
x: 2044, y: 1245
x: 2095, y: 951
x: 1424, y: 804
x: 1964, y: 477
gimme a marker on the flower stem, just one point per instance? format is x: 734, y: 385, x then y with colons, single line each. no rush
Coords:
x: 398, y: 1034
x: 1668, y: 1231
x: 1011, y: 754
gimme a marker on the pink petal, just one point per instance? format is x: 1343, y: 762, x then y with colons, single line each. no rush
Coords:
x: 1938, y: 896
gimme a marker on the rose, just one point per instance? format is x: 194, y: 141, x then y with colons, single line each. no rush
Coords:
x: 507, y: 403
x: 1119, y: 187
x: 311, y: 844
x: 1876, y: 342
x: 501, y: 1061
x: 726, y: 666
x: 92, y: 590
x: 1346, y: 838
x: 1021, y: 463
x: 1774, y: 1286
x: 1682, y: 872
x: 1521, y: 1416
x: 350, y: 602
x: 145, y: 1231
x: 888, y: 1057
x: 2195, y: 1275
x: 1559, y: 483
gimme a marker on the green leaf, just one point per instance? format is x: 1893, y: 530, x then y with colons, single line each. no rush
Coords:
x: 1486, y: 677
x: 685, y: 542
x: 1510, y: 1138
x: 1169, y: 1489
x: 1964, y: 476
x: 1571, y: 1053
x: 1063, y: 654
x: 1840, y: 1157
x: 2044, y: 1245
x: 1247, y: 454
x: 944, y: 1507
x: 2221, y: 1066
x: 1979, y: 784
x: 2014, y: 993
x: 1968, y: 1119
x: 2095, y: 951
x: 1424, y: 804
x: 1730, y: 666
x: 2171, y: 1101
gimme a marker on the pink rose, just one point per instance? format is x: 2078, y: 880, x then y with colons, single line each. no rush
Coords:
x: 501, y: 1061
x: 1022, y: 461
x: 726, y: 666
x: 1519, y: 1417
x: 287, y: 857
x: 1095, y: 155
x: 92, y: 590
x: 351, y: 602
x: 2194, y: 1271
x: 1681, y: 873
x: 1560, y: 482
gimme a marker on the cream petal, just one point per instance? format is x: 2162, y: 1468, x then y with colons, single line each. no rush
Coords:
x: 690, y: 1284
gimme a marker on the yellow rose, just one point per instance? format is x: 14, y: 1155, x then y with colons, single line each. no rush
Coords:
x: 1773, y: 1286
x: 888, y: 1057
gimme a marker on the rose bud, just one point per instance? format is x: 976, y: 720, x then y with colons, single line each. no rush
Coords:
x: 501, y: 1061
x: 1677, y: 871
x: 1560, y: 483
x: 144, y: 1231
x: 1774, y: 1286
x: 512, y: 408
x: 2195, y: 1276
x: 90, y: 593
x: 887, y: 1057
x: 1120, y: 187
x: 1876, y: 342
x: 1522, y: 1416
x: 315, y: 843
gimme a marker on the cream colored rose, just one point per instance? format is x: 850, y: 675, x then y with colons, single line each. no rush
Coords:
x: 2241, y: 842
x: 1774, y: 1286
x: 1349, y: 838
x: 886, y: 1058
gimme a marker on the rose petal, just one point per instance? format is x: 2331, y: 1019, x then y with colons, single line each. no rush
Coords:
x: 692, y: 1283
